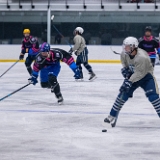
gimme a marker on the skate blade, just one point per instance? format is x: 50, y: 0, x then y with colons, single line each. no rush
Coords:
x: 60, y: 103
x: 93, y: 78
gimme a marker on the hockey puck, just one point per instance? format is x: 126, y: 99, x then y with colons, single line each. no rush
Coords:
x: 104, y: 130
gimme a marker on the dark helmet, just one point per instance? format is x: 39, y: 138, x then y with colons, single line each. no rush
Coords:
x: 45, y: 47
x: 148, y: 29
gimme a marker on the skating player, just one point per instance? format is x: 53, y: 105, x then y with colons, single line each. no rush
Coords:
x: 150, y: 44
x: 64, y: 57
x: 81, y: 52
x: 48, y: 61
x: 30, y: 45
x: 138, y: 72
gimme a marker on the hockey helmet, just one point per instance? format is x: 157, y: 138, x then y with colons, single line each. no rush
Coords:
x: 26, y: 31
x: 148, y: 29
x: 130, y: 44
x: 45, y: 47
x: 78, y: 30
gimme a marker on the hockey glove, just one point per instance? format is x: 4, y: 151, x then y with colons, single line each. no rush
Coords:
x: 70, y: 51
x: 126, y: 86
x: 126, y: 72
x: 21, y: 56
x: 33, y: 79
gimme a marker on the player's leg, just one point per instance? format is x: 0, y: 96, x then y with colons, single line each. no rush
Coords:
x: 28, y: 63
x: 78, y: 63
x: 152, y: 92
x: 44, y: 78
x: 52, y: 78
x: 153, y: 60
x: 118, y: 104
x: 84, y: 55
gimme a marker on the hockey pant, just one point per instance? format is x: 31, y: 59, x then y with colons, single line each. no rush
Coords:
x: 83, y: 59
x: 44, y: 74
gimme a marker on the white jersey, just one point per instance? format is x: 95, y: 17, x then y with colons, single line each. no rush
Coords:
x: 79, y: 43
x: 141, y: 64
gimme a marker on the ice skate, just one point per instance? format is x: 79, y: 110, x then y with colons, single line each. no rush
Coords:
x: 92, y: 76
x: 111, y: 120
x: 60, y: 100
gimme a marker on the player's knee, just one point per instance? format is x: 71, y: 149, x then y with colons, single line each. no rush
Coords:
x: 52, y: 79
x: 85, y: 64
x: 27, y: 64
x: 152, y: 96
x: 45, y: 85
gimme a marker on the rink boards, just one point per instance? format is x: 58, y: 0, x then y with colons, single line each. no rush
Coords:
x: 97, y: 53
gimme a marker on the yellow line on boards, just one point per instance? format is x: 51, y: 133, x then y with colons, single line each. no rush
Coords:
x: 90, y: 61
x: 10, y: 60
x: 104, y: 61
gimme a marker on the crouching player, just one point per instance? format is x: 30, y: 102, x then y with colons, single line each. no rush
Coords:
x: 138, y: 72
x: 59, y: 54
x: 48, y: 61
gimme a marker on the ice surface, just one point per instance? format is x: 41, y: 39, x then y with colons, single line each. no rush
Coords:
x: 34, y: 127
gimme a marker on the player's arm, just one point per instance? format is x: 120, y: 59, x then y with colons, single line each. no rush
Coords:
x: 77, y: 43
x: 123, y: 60
x: 69, y: 60
x: 126, y: 72
x: 35, y: 46
x: 37, y: 66
x: 157, y: 46
x: 23, y: 51
x: 140, y: 44
x: 141, y: 66
x: 33, y: 79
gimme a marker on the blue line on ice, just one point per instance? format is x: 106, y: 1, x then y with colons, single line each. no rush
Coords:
x: 75, y: 112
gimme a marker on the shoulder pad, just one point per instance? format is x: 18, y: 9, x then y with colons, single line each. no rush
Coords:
x: 156, y: 39
x: 33, y: 40
x: 39, y: 59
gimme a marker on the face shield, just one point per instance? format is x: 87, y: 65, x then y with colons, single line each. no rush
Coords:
x: 26, y: 35
x: 42, y: 57
x: 44, y: 54
x: 128, y: 49
x: 74, y: 32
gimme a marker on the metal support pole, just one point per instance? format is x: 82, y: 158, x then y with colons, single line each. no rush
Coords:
x: 49, y: 25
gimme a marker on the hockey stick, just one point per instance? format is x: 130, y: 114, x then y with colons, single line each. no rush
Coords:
x: 10, y: 68
x: 14, y: 92
x: 60, y: 32
x: 114, y: 51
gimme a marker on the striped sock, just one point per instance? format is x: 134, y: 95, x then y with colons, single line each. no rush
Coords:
x: 117, y: 107
x: 156, y: 105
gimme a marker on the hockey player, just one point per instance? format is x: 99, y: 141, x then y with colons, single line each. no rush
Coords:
x: 150, y: 44
x: 48, y: 61
x: 30, y: 45
x: 81, y: 52
x: 138, y: 72
x: 64, y: 57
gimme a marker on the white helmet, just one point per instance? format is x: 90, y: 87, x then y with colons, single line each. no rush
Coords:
x: 79, y: 29
x: 130, y: 44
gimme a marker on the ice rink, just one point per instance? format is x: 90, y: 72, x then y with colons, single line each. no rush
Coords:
x: 34, y: 127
